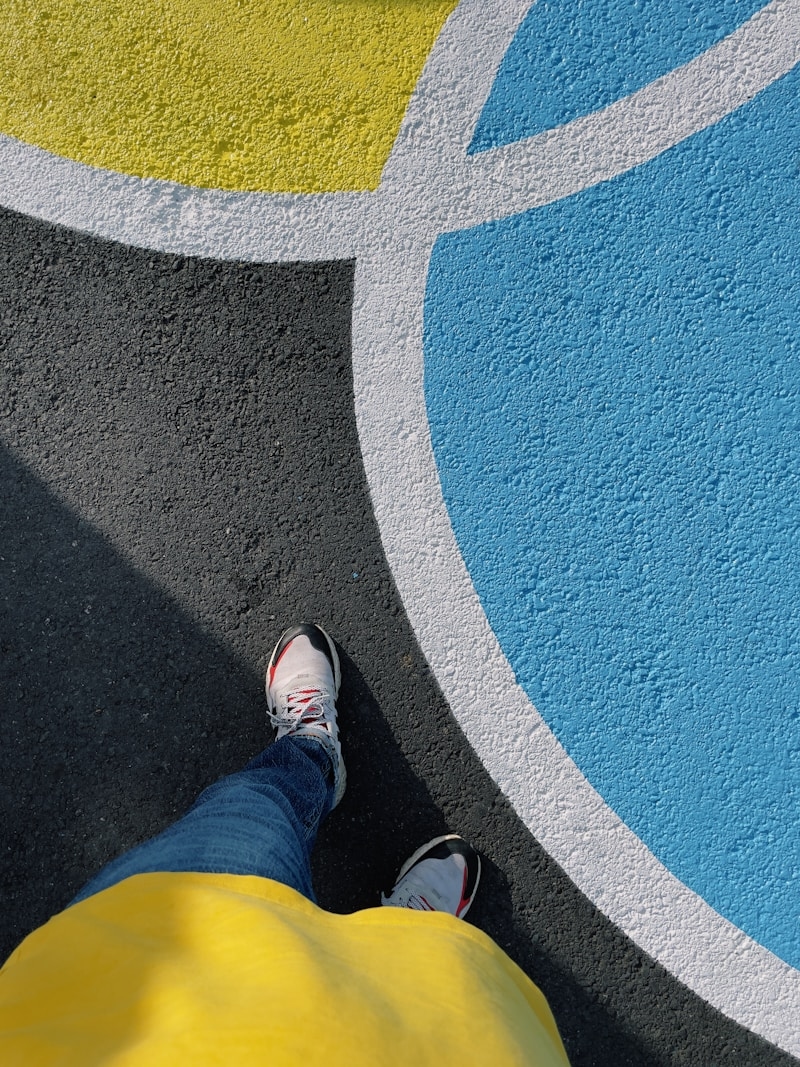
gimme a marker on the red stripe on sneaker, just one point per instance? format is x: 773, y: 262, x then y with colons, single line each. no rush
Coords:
x: 274, y: 666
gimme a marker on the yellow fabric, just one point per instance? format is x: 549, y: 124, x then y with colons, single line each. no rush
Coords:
x: 226, y: 969
x: 257, y: 95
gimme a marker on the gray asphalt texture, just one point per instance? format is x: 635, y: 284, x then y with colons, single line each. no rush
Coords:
x: 181, y: 479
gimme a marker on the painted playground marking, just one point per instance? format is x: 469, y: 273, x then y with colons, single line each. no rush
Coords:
x: 430, y: 186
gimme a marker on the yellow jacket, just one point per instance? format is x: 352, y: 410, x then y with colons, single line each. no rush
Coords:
x: 195, y: 969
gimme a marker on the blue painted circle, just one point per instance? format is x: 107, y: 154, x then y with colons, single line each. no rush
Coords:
x: 568, y: 59
x: 612, y: 387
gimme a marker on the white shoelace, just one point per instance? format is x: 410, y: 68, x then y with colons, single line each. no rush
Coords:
x: 304, y: 707
x: 418, y: 903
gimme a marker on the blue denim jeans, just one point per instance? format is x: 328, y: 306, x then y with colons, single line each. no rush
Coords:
x: 262, y: 820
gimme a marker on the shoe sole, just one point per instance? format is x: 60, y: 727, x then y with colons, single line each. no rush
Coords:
x: 420, y: 853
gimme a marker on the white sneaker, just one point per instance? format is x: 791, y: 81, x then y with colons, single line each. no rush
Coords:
x: 441, y: 876
x: 302, y: 684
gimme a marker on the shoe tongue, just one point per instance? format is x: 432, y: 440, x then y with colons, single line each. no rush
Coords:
x: 301, y: 683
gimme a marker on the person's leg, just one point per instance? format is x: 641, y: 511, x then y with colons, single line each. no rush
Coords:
x: 263, y: 820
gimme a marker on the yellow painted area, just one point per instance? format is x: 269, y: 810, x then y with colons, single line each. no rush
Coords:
x: 257, y: 95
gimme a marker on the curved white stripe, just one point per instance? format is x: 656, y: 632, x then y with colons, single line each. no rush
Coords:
x: 168, y: 217
x: 430, y: 186
x: 606, y: 143
x: 602, y: 856
x: 549, y: 793
x: 448, y: 98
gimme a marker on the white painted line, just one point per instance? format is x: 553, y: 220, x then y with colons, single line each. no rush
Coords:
x: 167, y: 217
x: 631, y: 131
x: 448, y: 98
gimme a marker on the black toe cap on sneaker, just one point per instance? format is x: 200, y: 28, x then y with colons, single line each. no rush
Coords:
x: 316, y: 637
x: 458, y: 846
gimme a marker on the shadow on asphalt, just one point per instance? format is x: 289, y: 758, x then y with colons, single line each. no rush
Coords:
x: 116, y: 710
